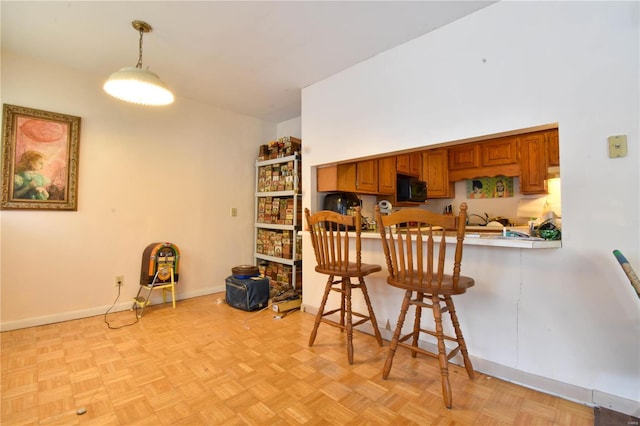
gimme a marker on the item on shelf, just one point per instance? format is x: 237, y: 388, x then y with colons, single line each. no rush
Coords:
x: 283, y: 147
x: 276, y: 243
x: 279, y: 177
x: 282, y: 278
x: 278, y: 210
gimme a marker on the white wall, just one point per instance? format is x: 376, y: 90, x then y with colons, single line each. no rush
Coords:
x: 145, y: 175
x: 291, y: 127
x: 574, y: 317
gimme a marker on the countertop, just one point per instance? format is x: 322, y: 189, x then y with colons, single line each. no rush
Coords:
x: 491, y: 237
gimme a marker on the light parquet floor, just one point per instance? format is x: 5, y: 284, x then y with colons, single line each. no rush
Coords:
x: 209, y: 364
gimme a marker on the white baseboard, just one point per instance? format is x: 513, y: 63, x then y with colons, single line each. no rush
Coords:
x: 563, y: 390
x: 616, y: 403
x: 98, y: 310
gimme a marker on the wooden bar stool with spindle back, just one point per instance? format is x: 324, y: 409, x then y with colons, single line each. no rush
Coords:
x: 414, y: 265
x: 329, y: 233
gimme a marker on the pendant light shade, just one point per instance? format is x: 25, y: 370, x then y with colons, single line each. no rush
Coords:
x: 139, y: 86
x: 133, y: 84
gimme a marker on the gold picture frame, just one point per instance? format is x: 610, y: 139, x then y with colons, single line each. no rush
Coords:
x: 39, y: 159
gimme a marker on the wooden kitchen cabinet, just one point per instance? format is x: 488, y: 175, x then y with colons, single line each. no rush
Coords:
x: 387, y: 175
x: 494, y: 157
x: 553, y: 148
x: 360, y: 176
x: 435, y: 169
x: 498, y: 152
x: 337, y: 177
x: 533, y: 163
x: 367, y: 176
x: 466, y: 156
x: 409, y: 164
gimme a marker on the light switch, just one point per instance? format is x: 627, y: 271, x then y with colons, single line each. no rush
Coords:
x: 617, y: 146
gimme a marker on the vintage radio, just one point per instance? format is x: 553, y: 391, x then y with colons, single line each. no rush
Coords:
x: 157, y: 261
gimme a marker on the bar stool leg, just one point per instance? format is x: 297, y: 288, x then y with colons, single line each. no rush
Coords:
x: 459, y: 337
x: 343, y: 294
x: 372, y: 316
x: 316, y: 324
x: 416, y: 323
x: 396, y: 334
x: 349, y: 325
x: 442, y: 354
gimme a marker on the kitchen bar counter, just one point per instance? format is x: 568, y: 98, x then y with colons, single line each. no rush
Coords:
x: 489, y: 239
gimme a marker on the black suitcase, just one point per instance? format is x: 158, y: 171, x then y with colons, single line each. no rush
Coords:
x: 247, y: 294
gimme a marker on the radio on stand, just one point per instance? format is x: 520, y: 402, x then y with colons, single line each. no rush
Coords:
x: 159, y: 270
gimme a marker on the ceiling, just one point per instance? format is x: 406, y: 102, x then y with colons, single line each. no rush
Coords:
x: 250, y: 57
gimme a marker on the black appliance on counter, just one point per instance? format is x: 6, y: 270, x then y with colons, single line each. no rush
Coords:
x: 409, y: 188
x: 341, y: 202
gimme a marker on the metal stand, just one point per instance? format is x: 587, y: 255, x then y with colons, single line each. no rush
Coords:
x: 141, y: 302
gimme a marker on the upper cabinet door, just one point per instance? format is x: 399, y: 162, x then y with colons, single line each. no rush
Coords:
x: 402, y: 164
x: 553, y: 148
x: 465, y: 156
x: 415, y: 164
x: 387, y: 175
x: 533, y: 163
x: 436, y: 174
x: 499, y: 151
x: 367, y: 176
x: 409, y: 164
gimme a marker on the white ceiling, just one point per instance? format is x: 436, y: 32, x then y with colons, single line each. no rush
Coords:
x: 251, y: 57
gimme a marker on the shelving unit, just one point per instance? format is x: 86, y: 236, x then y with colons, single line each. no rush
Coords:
x: 278, y: 222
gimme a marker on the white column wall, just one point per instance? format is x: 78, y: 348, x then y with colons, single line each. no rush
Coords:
x: 569, y: 315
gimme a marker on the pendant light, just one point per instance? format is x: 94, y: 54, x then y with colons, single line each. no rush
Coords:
x: 133, y: 84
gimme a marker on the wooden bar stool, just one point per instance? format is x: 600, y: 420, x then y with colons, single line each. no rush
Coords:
x: 330, y: 238
x: 408, y: 238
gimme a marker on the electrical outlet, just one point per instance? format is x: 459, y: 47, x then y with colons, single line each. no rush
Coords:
x: 234, y: 212
x: 119, y: 281
x: 617, y: 146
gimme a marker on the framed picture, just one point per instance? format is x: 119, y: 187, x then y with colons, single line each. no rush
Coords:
x: 490, y: 187
x: 39, y: 159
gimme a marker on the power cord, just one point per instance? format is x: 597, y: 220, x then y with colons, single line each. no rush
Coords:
x: 244, y: 323
x: 281, y: 315
x: 114, y: 304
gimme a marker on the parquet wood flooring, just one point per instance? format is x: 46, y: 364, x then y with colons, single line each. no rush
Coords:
x: 206, y: 363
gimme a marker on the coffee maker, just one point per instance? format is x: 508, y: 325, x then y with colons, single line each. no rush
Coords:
x: 341, y: 202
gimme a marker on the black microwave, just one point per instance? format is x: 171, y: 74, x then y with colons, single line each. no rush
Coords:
x: 411, y: 189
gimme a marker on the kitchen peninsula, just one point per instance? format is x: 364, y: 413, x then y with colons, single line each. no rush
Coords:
x: 498, y: 263
x: 489, y: 240
x: 497, y: 266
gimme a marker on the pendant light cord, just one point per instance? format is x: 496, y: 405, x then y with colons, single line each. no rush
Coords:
x: 139, y: 65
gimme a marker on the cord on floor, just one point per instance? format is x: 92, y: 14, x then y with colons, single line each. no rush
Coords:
x: 114, y: 304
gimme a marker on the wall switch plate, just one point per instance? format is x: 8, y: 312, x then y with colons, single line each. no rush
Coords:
x: 617, y: 146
